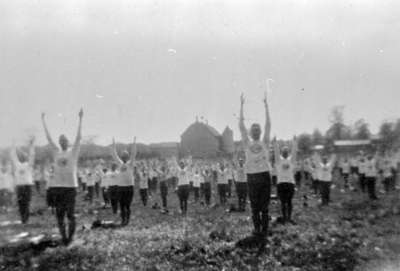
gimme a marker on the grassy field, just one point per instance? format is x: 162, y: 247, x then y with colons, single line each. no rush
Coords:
x: 351, y: 234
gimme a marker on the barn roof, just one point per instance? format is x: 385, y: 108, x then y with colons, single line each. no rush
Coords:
x: 209, y: 128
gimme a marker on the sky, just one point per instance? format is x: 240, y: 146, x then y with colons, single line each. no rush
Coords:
x: 148, y: 68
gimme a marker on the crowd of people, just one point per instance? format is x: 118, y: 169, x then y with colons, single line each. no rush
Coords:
x: 253, y: 174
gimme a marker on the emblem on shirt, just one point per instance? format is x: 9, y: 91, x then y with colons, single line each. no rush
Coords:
x: 256, y: 148
x: 285, y: 166
x: 21, y: 172
x: 124, y: 168
x: 62, y: 162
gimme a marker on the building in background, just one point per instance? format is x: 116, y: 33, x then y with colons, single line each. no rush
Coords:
x: 201, y: 140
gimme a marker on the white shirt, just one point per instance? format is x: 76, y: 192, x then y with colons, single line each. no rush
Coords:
x: 112, y: 178
x: 91, y: 178
x: 23, y: 174
x: 325, y: 172
x: 183, y: 177
x: 143, y: 183
x: 345, y: 167
x: 125, y: 176
x: 370, y: 168
x: 241, y: 176
x: 285, y: 170
x: 223, y: 176
x: 257, y: 157
x: 362, y: 167
x: 6, y: 180
x: 196, y: 180
x: 65, y: 168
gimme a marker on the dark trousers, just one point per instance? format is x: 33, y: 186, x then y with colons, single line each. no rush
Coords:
x: 164, y: 193
x: 285, y: 194
x: 207, y: 192
x: 143, y: 196
x: 259, y: 185
x: 315, y: 186
x: 297, y: 177
x: 325, y: 190
x: 241, y: 191
x: 229, y: 188
x: 90, y: 193
x: 183, y: 195
x: 113, y: 192
x: 97, y: 189
x: 222, y: 191
x: 106, y: 196
x: 361, y: 179
x: 387, y: 183
x: 371, y: 183
x: 64, y: 202
x: 196, y: 192
x: 125, y: 196
x: 346, y: 179
x: 24, y: 196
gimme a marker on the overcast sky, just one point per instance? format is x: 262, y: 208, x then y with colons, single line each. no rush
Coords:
x: 147, y: 68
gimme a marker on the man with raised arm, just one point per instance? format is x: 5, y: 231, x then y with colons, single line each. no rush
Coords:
x: 257, y: 169
x: 125, y: 180
x: 23, y: 178
x: 63, y: 187
x: 325, y: 168
x: 285, y: 166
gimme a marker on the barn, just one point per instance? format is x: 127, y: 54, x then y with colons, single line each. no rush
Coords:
x: 201, y: 140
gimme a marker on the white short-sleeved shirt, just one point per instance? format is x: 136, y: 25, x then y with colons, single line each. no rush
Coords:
x: 370, y: 168
x: 197, y: 180
x: 143, y: 183
x: 241, y: 176
x: 345, y: 166
x: 23, y: 173
x: 285, y: 170
x: 65, y: 169
x: 112, y: 178
x: 183, y: 178
x: 6, y: 180
x: 223, y: 176
x: 125, y: 176
x: 257, y: 157
x: 325, y: 172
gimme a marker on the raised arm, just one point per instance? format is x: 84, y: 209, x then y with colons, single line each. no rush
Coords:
x: 114, y: 153
x: 277, y: 154
x: 13, y: 155
x: 294, y: 149
x: 77, y: 144
x: 46, y: 130
x: 31, y: 154
x: 133, y: 152
x: 242, y: 127
x: 267, y: 132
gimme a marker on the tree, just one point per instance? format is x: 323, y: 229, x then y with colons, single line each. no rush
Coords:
x: 338, y: 129
x: 388, y: 135
x: 317, y: 137
x: 304, y: 142
x: 361, y: 130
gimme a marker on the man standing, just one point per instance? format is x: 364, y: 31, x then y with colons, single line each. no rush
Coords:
x: 23, y: 177
x: 257, y: 169
x: 63, y: 187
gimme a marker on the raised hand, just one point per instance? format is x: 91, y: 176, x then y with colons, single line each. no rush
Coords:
x: 81, y: 113
x: 265, y: 99
x: 242, y: 100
